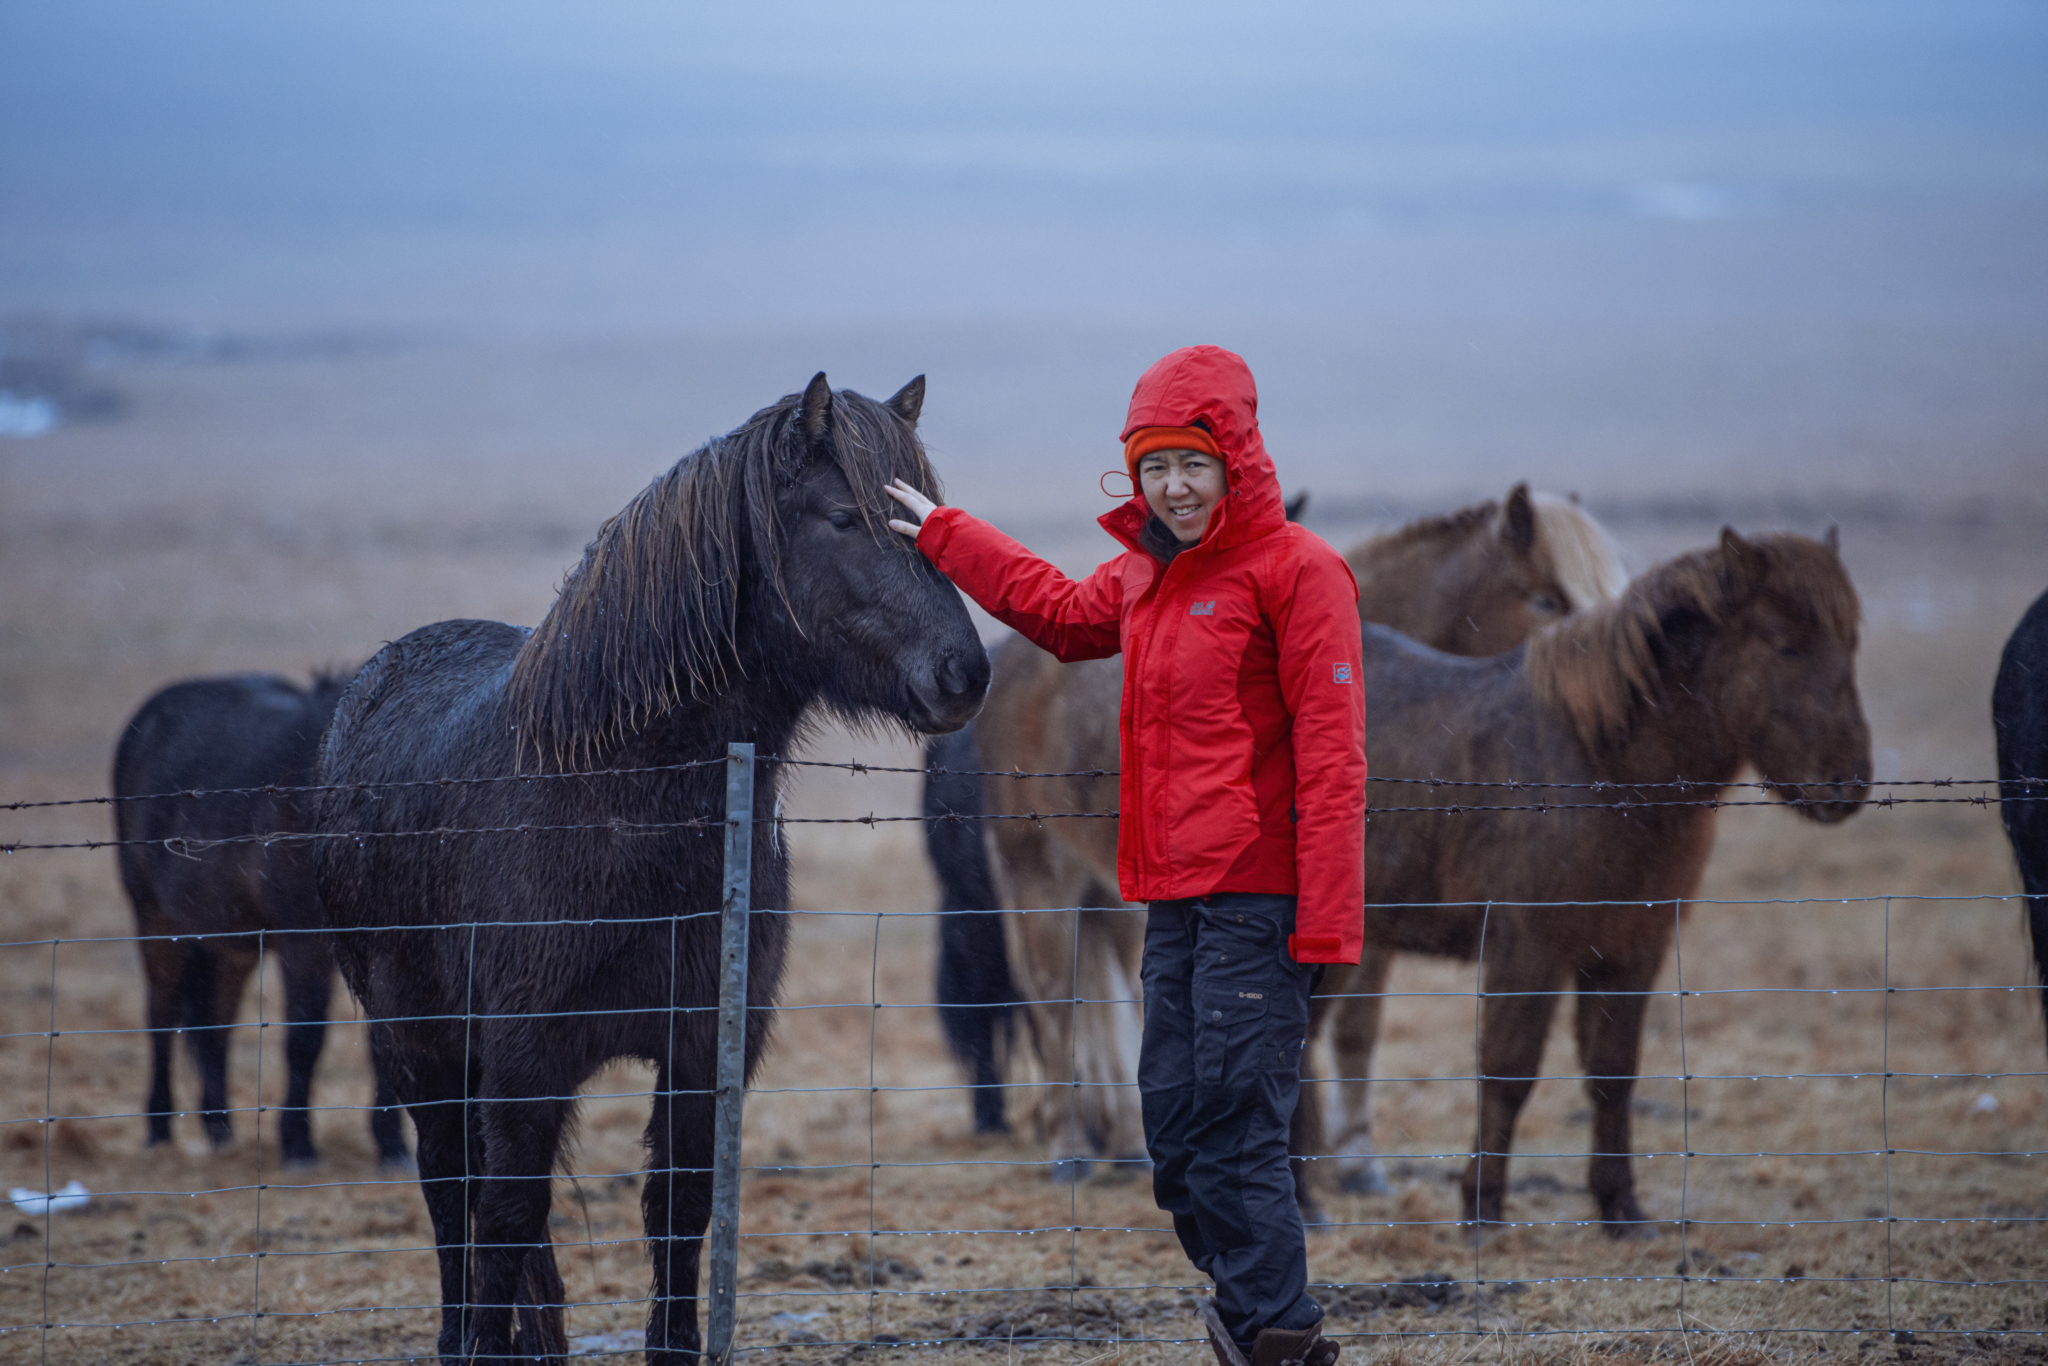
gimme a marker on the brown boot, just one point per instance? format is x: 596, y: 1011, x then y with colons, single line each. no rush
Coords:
x: 1302, y: 1347
x: 1227, y: 1353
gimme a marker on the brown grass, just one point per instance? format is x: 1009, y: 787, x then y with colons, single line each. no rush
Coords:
x: 1786, y: 1253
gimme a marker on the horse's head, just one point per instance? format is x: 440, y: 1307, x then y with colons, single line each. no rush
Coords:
x: 1786, y: 666
x: 1542, y: 558
x: 758, y: 572
x: 1483, y: 580
x: 866, y: 621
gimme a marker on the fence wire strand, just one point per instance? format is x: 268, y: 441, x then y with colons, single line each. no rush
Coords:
x: 1483, y: 1290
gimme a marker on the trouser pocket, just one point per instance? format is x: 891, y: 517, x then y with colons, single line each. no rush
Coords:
x: 1250, y: 999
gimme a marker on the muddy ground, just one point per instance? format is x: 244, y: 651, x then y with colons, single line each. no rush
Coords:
x: 1828, y: 1210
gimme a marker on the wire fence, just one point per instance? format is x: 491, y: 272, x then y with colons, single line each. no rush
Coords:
x: 861, y: 1215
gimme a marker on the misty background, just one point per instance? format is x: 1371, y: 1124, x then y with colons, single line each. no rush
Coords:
x: 511, y: 255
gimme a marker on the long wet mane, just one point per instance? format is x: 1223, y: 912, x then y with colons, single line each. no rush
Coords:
x: 651, y: 617
x: 1600, y: 665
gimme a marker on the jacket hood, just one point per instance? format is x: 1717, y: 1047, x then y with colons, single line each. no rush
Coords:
x: 1210, y: 385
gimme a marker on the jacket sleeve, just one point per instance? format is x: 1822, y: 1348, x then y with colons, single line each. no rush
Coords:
x: 1322, y: 685
x: 1068, y: 619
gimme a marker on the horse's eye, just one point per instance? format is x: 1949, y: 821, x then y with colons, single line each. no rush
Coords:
x: 1546, y: 604
x: 841, y: 518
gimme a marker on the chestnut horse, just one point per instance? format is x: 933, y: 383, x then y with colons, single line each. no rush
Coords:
x: 1480, y: 579
x: 1742, y: 655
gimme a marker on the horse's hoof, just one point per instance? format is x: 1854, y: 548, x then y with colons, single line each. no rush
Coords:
x: 1313, y: 1215
x: 1068, y: 1171
x: 398, y: 1164
x: 298, y: 1163
x: 1367, y: 1178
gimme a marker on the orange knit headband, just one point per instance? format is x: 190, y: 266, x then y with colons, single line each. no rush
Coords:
x: 1146, y: 440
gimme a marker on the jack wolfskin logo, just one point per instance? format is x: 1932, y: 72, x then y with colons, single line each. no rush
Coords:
x: 1343, y: 672
x: 1203, y: 609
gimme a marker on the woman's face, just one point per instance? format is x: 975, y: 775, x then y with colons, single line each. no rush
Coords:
x: 1182, y: 489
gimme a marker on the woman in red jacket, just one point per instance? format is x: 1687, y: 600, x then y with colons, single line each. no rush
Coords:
x: 1243, y: 807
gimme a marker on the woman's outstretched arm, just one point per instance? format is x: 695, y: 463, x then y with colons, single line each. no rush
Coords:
x: 1071, y: 620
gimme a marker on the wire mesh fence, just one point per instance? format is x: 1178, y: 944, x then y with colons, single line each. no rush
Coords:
x: 1840, y: 1119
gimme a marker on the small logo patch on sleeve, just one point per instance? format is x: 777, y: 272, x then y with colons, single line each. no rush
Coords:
x: 1342, y: 672
x: 1203, y: 609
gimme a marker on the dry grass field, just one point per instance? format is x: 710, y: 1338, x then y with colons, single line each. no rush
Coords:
x: 1827, y: 1210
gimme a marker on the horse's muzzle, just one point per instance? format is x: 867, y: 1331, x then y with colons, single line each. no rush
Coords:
x: 1826, y: 803
x: 949, y: 693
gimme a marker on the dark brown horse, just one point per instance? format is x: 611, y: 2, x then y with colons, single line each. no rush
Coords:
x: 1741, y: 656
x: 755, y: 581
x: 1481, y: 578
x: 200, y: 916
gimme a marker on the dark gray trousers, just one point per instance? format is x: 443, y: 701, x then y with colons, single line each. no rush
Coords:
x: 1226, y: 1015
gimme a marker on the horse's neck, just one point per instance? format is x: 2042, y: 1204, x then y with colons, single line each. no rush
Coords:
x: 1681, y: 733
x: 745, y: 713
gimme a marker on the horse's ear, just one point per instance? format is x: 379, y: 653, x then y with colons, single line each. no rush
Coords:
x: 1297, y: 505
x: 1518, y: 520
x: 1742, y: 564
x: 816, y: 408
x: 1832, y: 539
x: 908, y: 401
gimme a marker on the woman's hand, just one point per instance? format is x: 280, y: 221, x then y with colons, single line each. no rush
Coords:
x: 916, y: 504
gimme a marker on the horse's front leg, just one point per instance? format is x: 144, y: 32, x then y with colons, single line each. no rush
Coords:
x: 1609, y: 1022
x: 308, y: 990
x: 1520, y: 1001
x: 675, y: 1204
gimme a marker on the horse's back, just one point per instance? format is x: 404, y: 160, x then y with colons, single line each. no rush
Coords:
x: 216, y: 735
x: 424, y: 706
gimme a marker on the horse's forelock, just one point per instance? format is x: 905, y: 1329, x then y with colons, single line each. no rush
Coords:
x: 1810, y: 576
x: 1583, y: 557
x: 650, y: 617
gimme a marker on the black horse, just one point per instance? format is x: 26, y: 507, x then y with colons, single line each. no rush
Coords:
x: 752, y: 584
x: 2019, y: 713
x: 247, y: 731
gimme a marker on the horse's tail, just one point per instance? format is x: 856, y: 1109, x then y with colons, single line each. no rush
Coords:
x: 976, y: 994
x: 540, y: 1333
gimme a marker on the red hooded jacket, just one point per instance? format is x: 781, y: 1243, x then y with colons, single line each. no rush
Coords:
x: 1243, y: 715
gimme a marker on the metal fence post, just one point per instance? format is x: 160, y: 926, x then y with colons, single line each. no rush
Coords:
x: 732, y: 1052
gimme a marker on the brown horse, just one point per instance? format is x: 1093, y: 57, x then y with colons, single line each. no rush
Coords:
x: 1739, y: 656
x: 1481, y: 578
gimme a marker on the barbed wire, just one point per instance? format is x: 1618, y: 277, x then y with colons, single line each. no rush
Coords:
x: 1479, y: 1287
x: 189, y: 845
x: 284, y: 790
x: 939, y: 771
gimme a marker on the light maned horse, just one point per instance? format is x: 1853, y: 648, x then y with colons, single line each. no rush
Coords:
x: 1742, y: 655
x: 1481, y: 578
